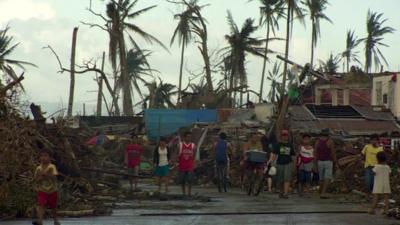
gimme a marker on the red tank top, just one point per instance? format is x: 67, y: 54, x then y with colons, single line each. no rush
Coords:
x: 186, y: 157
x: 323, y: 151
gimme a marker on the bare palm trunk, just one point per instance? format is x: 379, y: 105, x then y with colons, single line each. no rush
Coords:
x: 348, y: 64
x: 72, y: 78
x: 312, y: 45
x: 265, y: 64
x: 231, y: 94
x: 282, y: 112
x: 180, y: 75
x: 126, y: 84
x: 100, y: 91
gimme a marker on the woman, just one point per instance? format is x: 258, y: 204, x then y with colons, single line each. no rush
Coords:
x: 162, y: 160
x: 254, y: 144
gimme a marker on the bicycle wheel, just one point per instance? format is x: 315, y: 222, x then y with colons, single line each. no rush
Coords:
x: 260, y: 181
x: 219, y: 179
x: 251, y: 184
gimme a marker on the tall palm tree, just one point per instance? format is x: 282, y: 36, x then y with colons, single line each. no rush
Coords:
x: 241, y: 43
x: 138, y: 67
x: 183, y: 32
x: 350, y: 54
x: 120, y: 14
x: 294, y: 10
x: 6, y: 49
x: 376, y: 30
x: 274, y: 77
x: 331, y: 65
x: 271, y: 11
x: 316, y: 10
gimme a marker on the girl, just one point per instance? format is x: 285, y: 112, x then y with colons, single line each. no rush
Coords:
x: 162, y: 161
x: 381, y: 182
x: 305, y: 163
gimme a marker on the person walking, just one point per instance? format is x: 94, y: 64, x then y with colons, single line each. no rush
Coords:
x: 284, y: 155
x: 222, y: 149
x: 325, y: 155
x: 369, y: 154
x: 186, y: 157
x: 382, y: 182
x: 162, y: 162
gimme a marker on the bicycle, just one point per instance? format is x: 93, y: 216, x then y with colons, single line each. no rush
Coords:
x: 255, y: 182
x: 221, y: 176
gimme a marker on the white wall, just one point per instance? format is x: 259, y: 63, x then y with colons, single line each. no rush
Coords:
x: 386, y: 84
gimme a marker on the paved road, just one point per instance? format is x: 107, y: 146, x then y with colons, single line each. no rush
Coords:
x: 236, y: 208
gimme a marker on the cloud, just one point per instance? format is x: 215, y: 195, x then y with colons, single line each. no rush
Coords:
x: 25, y: 10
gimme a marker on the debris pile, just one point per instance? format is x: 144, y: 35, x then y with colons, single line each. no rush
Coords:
x: 22, y: 140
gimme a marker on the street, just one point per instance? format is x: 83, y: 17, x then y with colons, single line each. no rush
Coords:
x: 235, y: 208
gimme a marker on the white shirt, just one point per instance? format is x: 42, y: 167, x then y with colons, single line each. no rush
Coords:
x: 381, y: 180
x: 163, y: 154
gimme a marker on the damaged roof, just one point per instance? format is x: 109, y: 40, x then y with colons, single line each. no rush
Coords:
x: 356, y: 120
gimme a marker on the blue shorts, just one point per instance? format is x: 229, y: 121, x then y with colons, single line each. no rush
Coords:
x: 305, y: 177
x: 162, y: 171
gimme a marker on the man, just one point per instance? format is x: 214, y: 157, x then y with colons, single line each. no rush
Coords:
x: 186, y: 158
x: 284, y: 155
x: 46, y: 185
x: 325, y: 155
x: 222, y: 149
x: 369, y: 153
x: 133, y: 154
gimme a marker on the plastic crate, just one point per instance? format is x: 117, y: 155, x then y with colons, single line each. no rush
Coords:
x: 256, y: 156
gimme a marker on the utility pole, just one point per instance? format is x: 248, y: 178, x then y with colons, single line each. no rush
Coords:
x: 100, y: 91
x: 72, y: 71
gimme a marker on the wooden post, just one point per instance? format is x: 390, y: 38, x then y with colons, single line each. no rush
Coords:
x: 72, y: 80
x: 100, y: 91
x: 346, y: 97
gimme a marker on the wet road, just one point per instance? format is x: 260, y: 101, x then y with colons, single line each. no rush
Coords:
x: 236, y: 208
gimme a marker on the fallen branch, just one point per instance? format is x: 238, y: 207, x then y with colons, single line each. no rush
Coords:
x: 12, y: 84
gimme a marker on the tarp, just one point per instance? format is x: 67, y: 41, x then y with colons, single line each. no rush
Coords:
x: 163, y: 122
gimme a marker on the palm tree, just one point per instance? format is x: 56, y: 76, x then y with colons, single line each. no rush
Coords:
x: 349, y: 54
x: 316, y: 9
x: 6, y: 49
x: 160, y: 95
x: 374, y: 39
x: 331, y: 65
x: 119, y: 13
x: 274, y: 76
x: 241, y: 43
x: 271, y: 11
x: 183, y: 32
x: 138, y: 66
x: 293, y: 9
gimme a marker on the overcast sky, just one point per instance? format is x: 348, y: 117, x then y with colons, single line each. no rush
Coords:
x: 38, y: 23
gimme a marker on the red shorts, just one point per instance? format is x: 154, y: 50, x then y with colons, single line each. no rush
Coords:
x: 47, y: 199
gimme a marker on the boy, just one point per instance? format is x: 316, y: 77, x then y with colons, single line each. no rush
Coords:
x: 133, y: 154
x: 46, y: 185
x: 186, y: 157
x: 284, y: 155
x: 369, y: 153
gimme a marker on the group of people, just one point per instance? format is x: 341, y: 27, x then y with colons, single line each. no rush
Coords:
x: 309, y: 160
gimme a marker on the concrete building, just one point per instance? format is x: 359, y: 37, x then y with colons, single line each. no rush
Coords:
x: 386, y: 92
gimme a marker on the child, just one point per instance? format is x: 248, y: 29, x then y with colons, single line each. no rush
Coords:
x: 133, y: 153
x: 162, y: 162
x: 187, y: 153
x: 46, y: 185
x: 381, y: 182
x: 305, y: 163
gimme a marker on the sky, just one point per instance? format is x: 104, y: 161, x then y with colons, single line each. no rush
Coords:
x: 39, y: 23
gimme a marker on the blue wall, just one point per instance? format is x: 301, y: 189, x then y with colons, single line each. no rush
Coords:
x: 162, y: 122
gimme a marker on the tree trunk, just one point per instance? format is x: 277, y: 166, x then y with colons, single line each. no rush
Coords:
x: 206, y: 57
x: 100, y: 91
x: 180, y: 75
x: 126, y: 84
x: 114, y: 103
x: 312, y: 45
x: 348, y: 64
x: 72, y: 78
x: 282, y: 112
x: 265, y: 64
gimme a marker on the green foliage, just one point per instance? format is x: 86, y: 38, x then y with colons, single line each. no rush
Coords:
x: 375, y: 32
x: 331, y: 65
